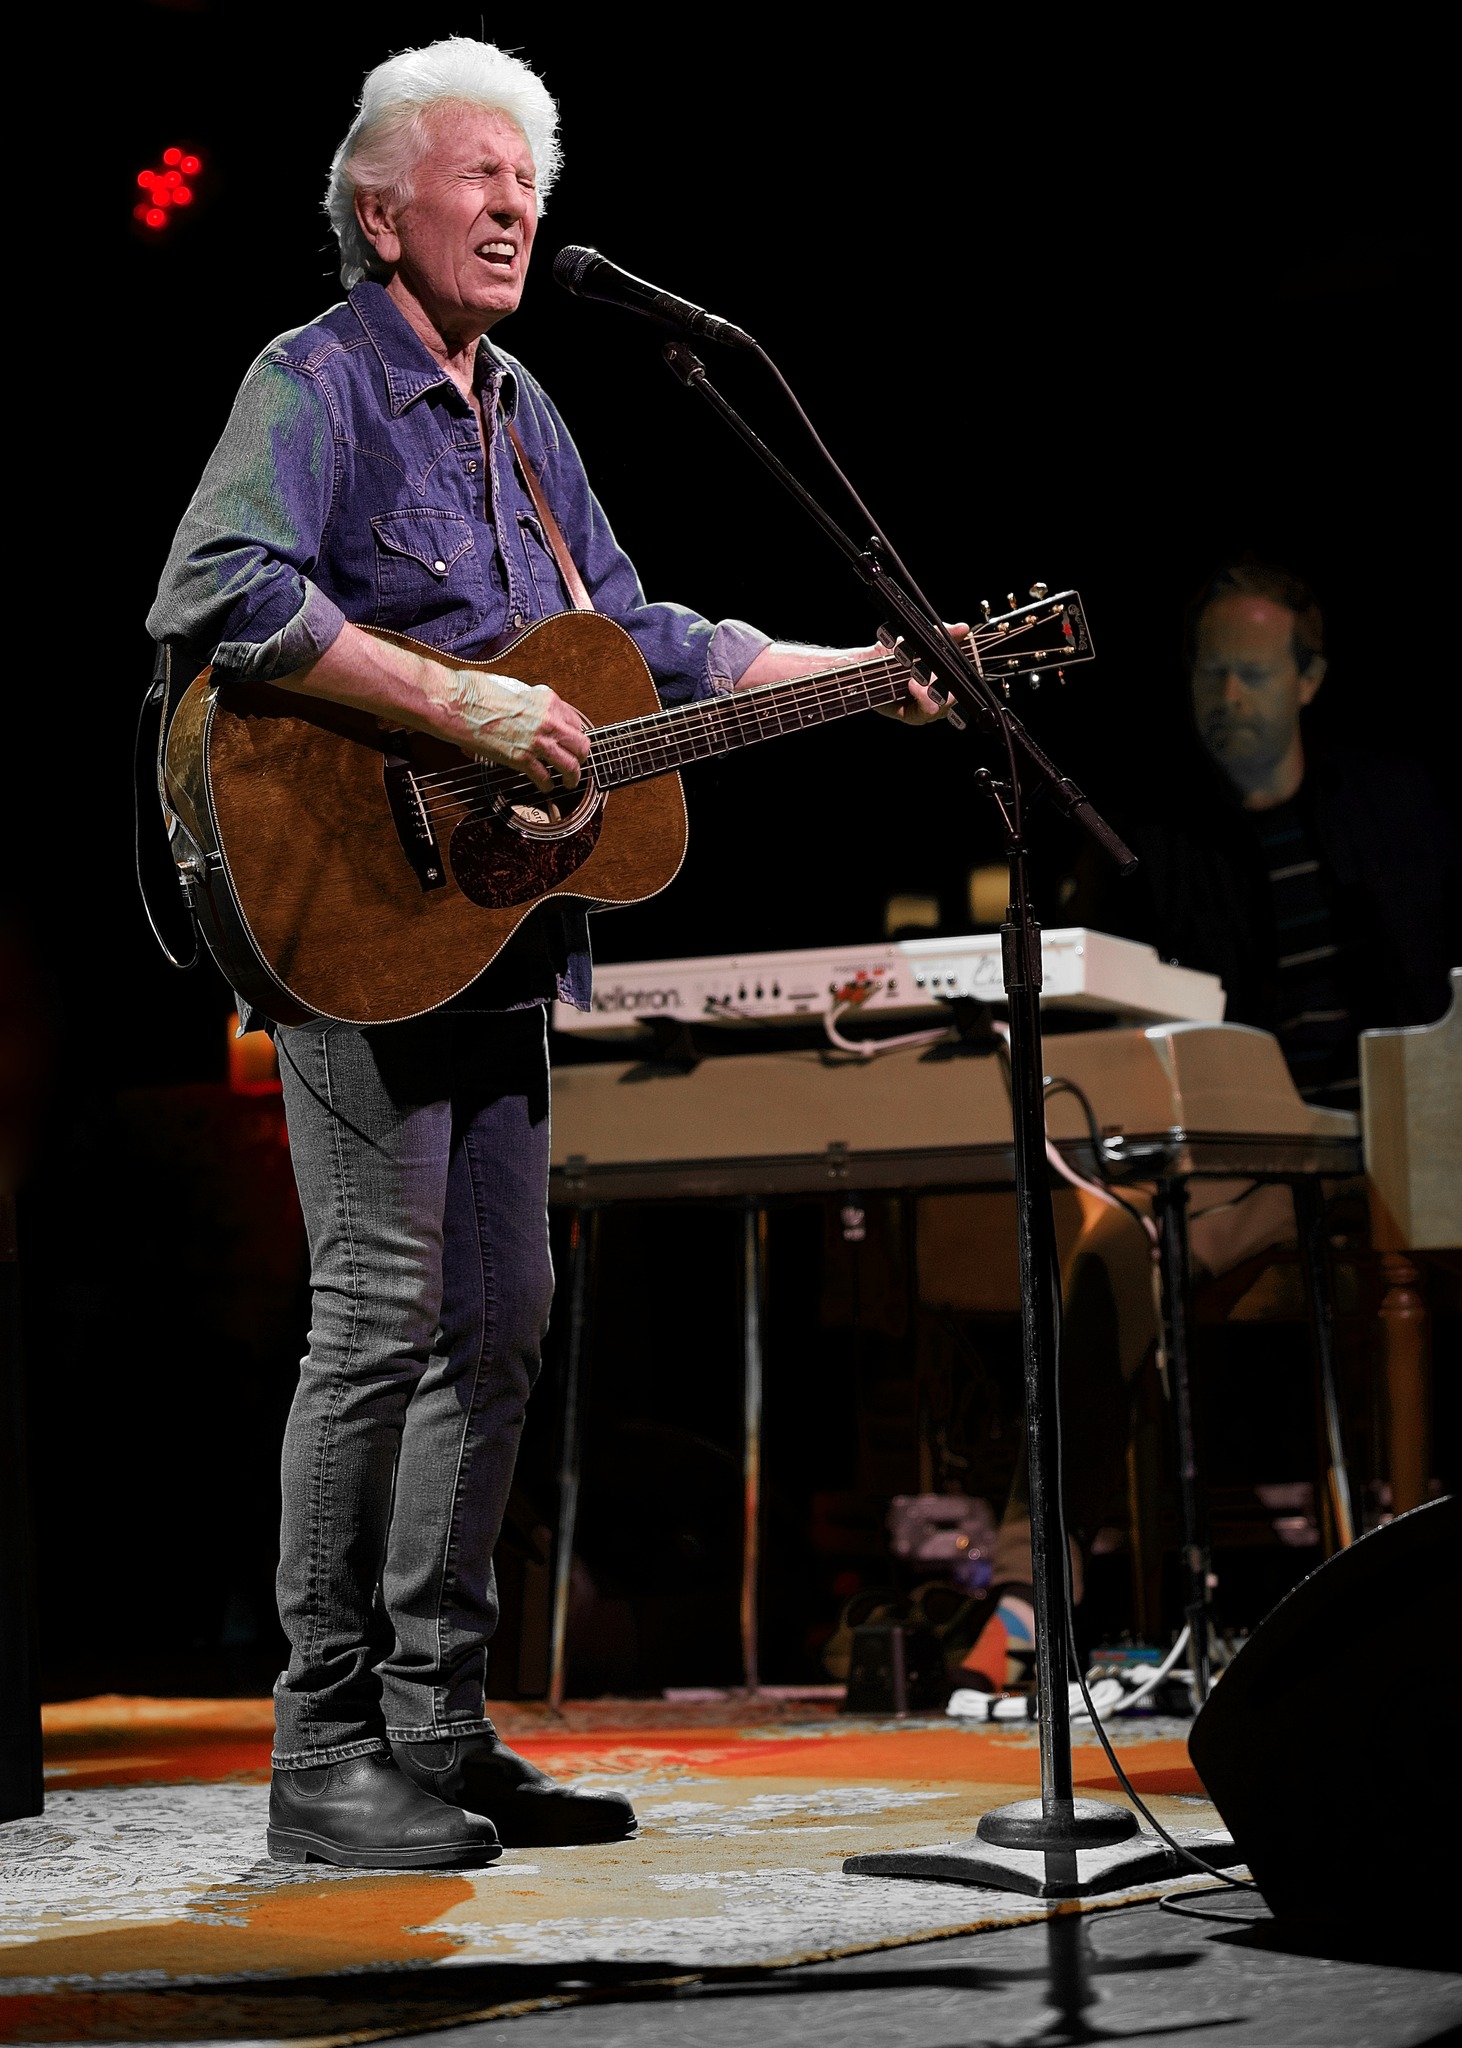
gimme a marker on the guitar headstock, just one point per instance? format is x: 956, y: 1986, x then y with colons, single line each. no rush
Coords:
x: 1048, y: 632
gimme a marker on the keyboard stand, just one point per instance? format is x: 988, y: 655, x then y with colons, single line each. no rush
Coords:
x: 752, y: 1183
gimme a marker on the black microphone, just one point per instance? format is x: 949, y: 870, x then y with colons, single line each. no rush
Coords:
x: 588, y: 275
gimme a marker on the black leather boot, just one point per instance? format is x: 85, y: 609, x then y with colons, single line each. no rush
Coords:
x: 526, y: 1807
x: 367, y: 1814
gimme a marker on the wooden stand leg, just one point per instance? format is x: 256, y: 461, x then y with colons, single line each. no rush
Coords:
x: 1406, y: 1336
x: 1144, y: 1502
x: 1337, y: 1523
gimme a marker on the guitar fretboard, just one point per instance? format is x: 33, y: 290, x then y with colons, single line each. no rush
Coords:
x: 641, y: 747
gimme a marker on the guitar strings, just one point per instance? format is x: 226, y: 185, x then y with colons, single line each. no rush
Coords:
x: 749, y: 706
x: 644, y: 746
x: 625, y: 759
x: 655, y: 741
x: 622, y: 766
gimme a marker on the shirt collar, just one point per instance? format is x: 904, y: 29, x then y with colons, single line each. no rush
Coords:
x: 409, y: 366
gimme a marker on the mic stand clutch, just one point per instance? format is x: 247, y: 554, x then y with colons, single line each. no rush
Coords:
x: 1056, y: 1846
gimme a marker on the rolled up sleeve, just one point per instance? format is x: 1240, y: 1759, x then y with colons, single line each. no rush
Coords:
x: 237, y: 588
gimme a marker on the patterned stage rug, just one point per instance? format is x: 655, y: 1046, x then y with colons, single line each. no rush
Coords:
x: 142, y: 1907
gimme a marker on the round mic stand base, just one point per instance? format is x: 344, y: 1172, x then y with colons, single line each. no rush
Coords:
x: 1084, y: 1862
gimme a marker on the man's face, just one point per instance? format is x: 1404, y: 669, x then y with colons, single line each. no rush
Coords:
x: 1247, y: 689
x: 463, y: 240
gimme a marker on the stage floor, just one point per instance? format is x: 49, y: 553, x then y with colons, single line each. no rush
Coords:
x: 1134, y: 1974
x: 141, y: 1905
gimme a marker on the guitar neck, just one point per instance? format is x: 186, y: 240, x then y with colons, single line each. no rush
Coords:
x: 641, y: 747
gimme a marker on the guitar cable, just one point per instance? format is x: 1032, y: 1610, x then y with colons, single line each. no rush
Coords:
x: 1226, y: 1883
x: 1072, y: 1652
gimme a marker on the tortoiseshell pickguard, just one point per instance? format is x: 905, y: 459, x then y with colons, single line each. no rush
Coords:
x: 497, y: 867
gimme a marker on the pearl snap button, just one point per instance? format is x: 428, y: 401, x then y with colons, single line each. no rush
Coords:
x: 439, y: 565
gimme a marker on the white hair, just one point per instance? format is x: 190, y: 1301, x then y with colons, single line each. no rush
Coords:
x: 391, y: 133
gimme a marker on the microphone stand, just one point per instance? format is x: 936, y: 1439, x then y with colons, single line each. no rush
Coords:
x: 1056, y: 1846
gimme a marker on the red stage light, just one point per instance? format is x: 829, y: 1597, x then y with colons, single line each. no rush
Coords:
x: 167, y: 188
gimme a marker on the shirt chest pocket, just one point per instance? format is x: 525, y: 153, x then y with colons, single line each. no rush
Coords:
x: 428, y: 573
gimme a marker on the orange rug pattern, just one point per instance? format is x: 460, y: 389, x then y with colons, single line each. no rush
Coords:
x: 116, y: 1741
x: 141, y: 1905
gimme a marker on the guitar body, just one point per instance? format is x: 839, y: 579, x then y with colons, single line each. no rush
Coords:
x: 316, y: 898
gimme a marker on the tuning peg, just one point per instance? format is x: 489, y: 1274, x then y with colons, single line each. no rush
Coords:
x: 1034, y: 679
x: 1010, y: 599
x: 1039, y: 589
x: 985, y: 606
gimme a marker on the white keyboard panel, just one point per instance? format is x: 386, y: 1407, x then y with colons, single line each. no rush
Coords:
x: 903, y: 978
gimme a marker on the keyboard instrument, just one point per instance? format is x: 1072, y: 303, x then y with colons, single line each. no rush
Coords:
x: 1168, y: 1099
x: 1083, y: 970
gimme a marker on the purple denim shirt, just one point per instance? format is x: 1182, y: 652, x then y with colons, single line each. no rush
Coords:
x: 349, y: 484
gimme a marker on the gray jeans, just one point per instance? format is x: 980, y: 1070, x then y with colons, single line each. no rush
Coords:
x: 421, y: 1155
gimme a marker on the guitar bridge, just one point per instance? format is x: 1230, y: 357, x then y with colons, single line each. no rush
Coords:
x: 413, y: 826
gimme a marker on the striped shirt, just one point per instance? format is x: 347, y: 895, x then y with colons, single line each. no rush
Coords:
x: 1314, y: 1025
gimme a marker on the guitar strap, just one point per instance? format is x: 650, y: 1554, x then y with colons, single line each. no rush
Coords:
x: 573, y: 582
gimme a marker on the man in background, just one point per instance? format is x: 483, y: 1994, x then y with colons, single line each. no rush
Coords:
x: 1322, y: 884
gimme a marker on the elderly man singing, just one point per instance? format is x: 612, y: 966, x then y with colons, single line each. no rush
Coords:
x: 367, y: 477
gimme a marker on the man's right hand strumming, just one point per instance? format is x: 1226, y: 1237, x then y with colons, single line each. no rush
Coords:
x: 495, y: 718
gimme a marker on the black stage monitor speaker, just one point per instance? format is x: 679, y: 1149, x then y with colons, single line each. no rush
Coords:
x: 1330, y: 1745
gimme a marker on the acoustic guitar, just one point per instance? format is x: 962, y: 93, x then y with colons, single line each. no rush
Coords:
x: 338, y: 870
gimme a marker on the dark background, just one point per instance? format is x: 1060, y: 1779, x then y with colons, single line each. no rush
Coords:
x: 1099, y: 311
x: 1095, y: 307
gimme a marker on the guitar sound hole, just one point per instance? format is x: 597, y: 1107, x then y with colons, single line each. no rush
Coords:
x: 556, y: 814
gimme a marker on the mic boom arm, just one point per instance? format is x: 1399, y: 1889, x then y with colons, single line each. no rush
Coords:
x: 925, y: 638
